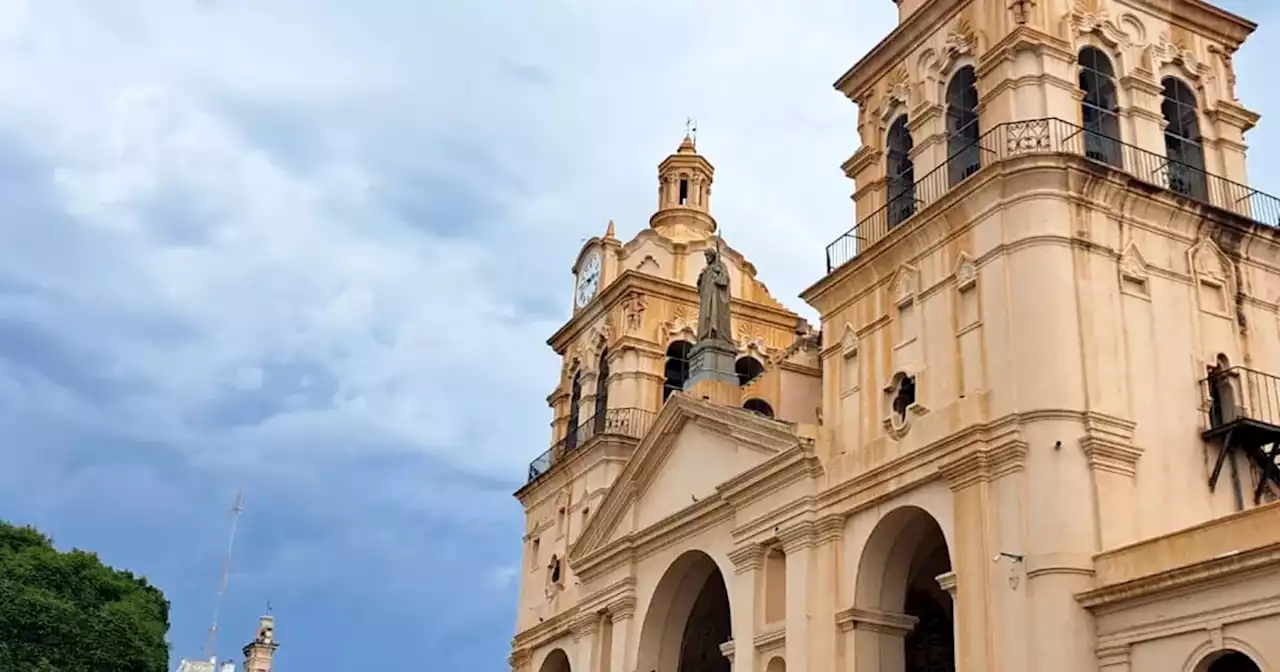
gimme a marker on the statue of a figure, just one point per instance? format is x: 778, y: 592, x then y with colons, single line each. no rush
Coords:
x: 713, y: 299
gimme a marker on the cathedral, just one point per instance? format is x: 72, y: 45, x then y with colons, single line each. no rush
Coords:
x: 1037, y: 427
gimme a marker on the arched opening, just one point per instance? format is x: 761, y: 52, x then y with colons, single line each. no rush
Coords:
x: 899, y: 578
x: 1182, y: 142
x: 748, y: 368
x: 575, y: 400
x: 901, y: 173
x: 687, y: 619
x: 776, y: 665
x: 677, y: 368
x: 759, y: 406
x: 1100, y: 110
x: 1228, y: 661
x: 556, y: 661
x: 602, y: 390
x: 963, y: 152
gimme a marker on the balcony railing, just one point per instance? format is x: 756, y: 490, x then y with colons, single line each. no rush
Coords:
x: 1241, y: 412
x: 626, y: 422
x: 1052, y: 136
x: 1240, y: 395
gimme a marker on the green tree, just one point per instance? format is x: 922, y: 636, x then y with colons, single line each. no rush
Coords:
x: 68, y: 612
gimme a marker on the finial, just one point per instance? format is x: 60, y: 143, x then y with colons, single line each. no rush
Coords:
x: 609, y: 232
x: 690, y: 135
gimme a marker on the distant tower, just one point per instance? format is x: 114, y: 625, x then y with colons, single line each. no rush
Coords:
x: 259, y: 652
x: 684, y: 195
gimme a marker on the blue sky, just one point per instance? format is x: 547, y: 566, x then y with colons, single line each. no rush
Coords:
x: 316, y: 247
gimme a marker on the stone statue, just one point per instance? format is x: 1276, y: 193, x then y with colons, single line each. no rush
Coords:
x: 713, y: 299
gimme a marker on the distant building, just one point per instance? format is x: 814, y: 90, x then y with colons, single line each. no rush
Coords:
x: 258, y: 654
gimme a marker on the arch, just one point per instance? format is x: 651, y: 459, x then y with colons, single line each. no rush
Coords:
x: 676, y: 371
x: 602, y: 390
x: 688, y: 618
x: 776, y: 664
x: 759, y: 406
x: 900, y: 173
x: 1183, y: 144
x: 1100, y: 109
x: 556, y: 661
x: 575, y: 400
x: 1228, y: 660
x: 897, y: 577
x: 964, y: 156
x: 748, y: 369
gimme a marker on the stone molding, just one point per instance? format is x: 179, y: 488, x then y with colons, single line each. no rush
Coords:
x: 1198, y: 576
x: 727, y: 649
x: 772, y: 638
x: 747, y: 558
x: 875, y: 620
x: 985, y: 465
x: 520, y: 659
x: 947, y: 582
x: 1108, y: 444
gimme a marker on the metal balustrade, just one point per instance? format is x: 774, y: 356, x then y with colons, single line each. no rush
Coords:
x: 1051, y: 136
x: 624, y: 422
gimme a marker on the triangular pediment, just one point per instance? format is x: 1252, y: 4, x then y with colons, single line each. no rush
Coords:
x: 692, y: 448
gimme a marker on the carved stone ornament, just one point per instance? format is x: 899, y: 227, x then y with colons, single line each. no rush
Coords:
x: 1021, y: 10
x: 1208, y: 262
x: 1228, y: 67
x: 903, y: 407
x: 960, y: 41
x: 1165, y: 51
x: 849, y: 341
x: 897, y: 90
x: 1132, y: 265
x: 1086, y: 19
x: 633, y: 311
x: 966, y: 273
x: 903, y: 287
x: 678, y: 327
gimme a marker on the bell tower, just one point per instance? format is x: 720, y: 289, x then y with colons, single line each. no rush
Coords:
x: 259, y: 652
x: 684, y: 195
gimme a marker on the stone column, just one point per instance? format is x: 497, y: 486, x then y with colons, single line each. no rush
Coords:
x: 747, y: 563
x: 947, y: 582
x: 798, y: 543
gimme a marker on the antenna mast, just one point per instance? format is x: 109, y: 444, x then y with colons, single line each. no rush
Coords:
x: 236, y: 509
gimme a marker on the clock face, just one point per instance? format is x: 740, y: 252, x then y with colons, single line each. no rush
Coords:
x: 588, y: 279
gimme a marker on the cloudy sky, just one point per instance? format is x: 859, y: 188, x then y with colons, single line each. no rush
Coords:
x: 316, y: 247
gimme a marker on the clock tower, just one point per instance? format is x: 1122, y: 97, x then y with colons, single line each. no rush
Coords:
x: 627, y: 348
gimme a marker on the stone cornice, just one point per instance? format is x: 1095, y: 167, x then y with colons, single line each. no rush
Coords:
x: 898, y: 625
x: 773, y: 638
x: 798, y: 537
x: 1215, y: 571
x: 1234, y: 114
x: 895, y: 47
x: 861, y: 159
x: 630, y: 280
x: 549, y: 629
x: 983, y: 465
x: 1199, y: 17
x: 611, y: 597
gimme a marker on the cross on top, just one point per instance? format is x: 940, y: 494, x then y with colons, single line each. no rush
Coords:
x: 691, y: 128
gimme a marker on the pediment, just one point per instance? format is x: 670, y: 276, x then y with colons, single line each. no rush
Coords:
x: 692, y: 448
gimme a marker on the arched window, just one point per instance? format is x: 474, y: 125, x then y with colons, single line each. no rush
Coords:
x: 1231, y: 661
x: 575, y: 397
x: 759, y: 406
x: 677, y: 369
x: 963, y: 152
x: 1100, y: 110
x: 602, y: 390
x: 901, y: 173
x: 748, y: 369
x: 1182, y: 143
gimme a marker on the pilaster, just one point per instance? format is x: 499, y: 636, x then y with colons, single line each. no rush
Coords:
x: 584, y: 631
x: 622, y: 614
x: 799, y: 543
x: 747, y: 563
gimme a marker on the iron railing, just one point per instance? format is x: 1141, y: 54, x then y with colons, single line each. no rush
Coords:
x: 1238, y: 394
x: 1052, y: 136
x: 626, y: 422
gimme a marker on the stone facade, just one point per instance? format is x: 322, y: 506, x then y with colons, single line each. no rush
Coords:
x: 1037, y: 429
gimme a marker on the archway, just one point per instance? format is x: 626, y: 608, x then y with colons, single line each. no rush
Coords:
x: 897, y: 583
x: 556, y: 661
x: 688, y: 619
x: 1228, y: 661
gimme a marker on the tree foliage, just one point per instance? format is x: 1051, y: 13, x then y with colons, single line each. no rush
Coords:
x: 68, y: 612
